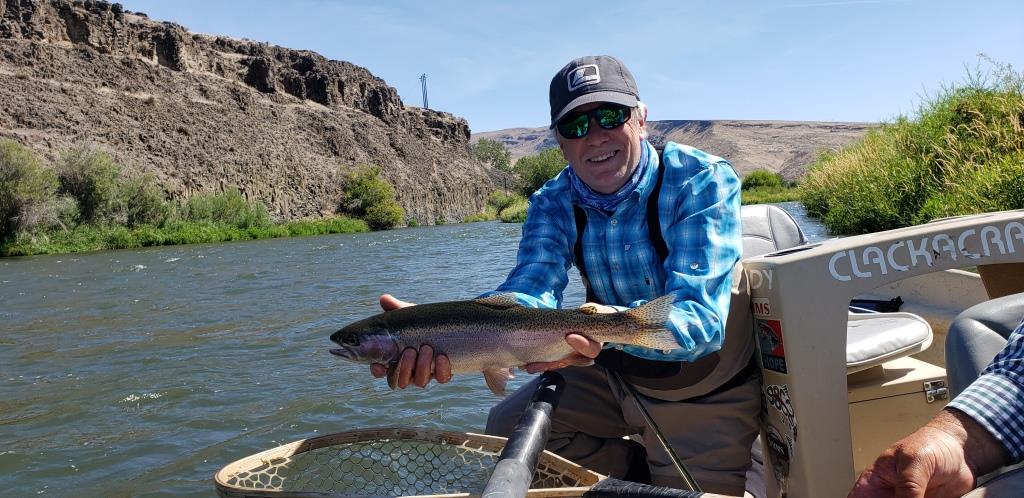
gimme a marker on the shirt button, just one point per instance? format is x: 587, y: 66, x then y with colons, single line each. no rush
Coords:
x: 615, y: 222
x: 694, y: 266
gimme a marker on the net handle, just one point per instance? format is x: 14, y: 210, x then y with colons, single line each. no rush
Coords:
x: 514, y: 471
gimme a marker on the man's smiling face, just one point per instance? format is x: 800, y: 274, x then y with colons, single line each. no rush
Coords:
x: 604, y: 159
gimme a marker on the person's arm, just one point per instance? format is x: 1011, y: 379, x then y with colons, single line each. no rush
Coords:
x: 704, y: 240
x: 541, y: 272
x: 978, y: 432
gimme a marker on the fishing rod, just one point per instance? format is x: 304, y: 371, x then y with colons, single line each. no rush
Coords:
x: 513, y: 473
x: 676, y: 461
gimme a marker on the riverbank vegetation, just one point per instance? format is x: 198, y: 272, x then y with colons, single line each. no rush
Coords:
x: 764, y: 187
x: 87, y: 202
x: 759, y: 187
x: 961, y: 153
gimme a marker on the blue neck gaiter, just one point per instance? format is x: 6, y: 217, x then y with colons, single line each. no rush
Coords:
x: 608, y: 202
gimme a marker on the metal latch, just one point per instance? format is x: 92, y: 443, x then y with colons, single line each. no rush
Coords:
x: 935, y: 390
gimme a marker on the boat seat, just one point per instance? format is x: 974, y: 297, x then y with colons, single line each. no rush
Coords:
x: 871, y: 338
x: 768, y: 228
x: 875, y: 338
x: 976, y: 335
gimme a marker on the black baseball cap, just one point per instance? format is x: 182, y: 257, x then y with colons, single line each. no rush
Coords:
x: 594, y: 78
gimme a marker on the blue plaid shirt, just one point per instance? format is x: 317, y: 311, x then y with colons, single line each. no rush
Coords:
x: 996, y: 399
x: 699, y: 209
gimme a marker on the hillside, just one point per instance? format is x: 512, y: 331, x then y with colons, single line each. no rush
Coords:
x: 787, y: 147
x: 203, y: 112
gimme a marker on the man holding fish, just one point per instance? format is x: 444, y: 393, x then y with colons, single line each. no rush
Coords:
x: 656, y: 236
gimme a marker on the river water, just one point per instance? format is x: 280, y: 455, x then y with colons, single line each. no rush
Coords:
x: 142, y: 372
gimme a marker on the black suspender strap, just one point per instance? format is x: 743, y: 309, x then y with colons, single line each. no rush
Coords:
x: 653, y: 217
x: 581, y: 226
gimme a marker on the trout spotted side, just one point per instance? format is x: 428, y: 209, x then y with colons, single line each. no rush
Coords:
x: 495, y: 333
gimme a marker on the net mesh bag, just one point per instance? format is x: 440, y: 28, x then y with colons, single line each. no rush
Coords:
x: 387, y: 462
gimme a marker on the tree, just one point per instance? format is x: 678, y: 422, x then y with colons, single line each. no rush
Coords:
x: 533, y: 171
x: 494, y: 153
x: 372, y: 198
x: 26, y: 189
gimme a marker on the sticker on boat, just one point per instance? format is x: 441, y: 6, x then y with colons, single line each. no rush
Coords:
x: 773, y: 353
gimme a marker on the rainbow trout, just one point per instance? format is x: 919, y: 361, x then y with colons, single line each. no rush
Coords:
x: 495, y: 333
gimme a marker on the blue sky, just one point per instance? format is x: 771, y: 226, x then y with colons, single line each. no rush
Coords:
x: 491, y: 62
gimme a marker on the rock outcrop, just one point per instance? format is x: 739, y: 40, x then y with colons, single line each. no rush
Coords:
x: 207, y: 112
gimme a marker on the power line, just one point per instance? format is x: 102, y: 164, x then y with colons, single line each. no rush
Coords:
x: 423, y: 85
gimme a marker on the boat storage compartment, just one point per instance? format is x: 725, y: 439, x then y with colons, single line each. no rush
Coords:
x: 890, y: 401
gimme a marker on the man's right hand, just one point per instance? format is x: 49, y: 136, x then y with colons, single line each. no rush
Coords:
x: 415, y: 367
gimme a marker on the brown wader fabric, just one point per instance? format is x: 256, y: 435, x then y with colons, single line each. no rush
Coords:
x: 712, y: 434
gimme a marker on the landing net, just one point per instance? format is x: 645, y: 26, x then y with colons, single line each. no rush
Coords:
x: 389, y: 462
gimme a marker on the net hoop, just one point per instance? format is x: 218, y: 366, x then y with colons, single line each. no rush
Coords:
x: 229, y: 484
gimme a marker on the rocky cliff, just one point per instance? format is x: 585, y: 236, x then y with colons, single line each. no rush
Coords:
x: 787, y: 147
x: 207, y: 112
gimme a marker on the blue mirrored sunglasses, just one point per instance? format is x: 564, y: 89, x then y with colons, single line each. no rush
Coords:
x: 577, y: 124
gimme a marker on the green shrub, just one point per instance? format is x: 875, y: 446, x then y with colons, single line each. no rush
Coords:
x: 26, y: 190
x: 384, y: 216
x: 66, y: 212
x: 412, y: 223
x: 533, y: 171
x: 370, y: 197
x: 768, y: 195
x: 228, y: 207
x: 494, y: 153
x: 145, y: 203
x: 762, y: 178
x: 500, y: 200
x: 92, y: 178
x: 961, y: 154
x: 515, y: 212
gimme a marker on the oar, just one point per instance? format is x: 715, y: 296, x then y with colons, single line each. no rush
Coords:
x: 518, y: 460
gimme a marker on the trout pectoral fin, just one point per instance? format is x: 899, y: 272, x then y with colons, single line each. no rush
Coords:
x: 496, y: 378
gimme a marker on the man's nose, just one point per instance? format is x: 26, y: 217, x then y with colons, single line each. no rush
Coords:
x: 596, y: 135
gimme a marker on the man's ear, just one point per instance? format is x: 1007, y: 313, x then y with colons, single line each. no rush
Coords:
x: 640, y: 114
x: 561, y: 146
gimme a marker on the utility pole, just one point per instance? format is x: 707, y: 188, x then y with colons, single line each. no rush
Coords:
x: 423, y: 85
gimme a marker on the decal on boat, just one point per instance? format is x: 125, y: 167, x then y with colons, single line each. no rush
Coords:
x: 906, y: 254
x: 777, y: 397
x: 769, y: 337
x: 761, y: 306
x: 780, y: 454
x: 759, y: 278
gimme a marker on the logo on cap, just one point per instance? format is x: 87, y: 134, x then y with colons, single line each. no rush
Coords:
x: 583, y: 76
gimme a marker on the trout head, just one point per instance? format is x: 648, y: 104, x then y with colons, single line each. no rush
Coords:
x: 366, y: 341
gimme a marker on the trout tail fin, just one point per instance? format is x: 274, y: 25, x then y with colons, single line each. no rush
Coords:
x: 651, y: 317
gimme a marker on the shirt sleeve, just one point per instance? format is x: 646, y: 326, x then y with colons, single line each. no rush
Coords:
x: 996, y: 399
x: 704, y: 239
x: 543, y: 261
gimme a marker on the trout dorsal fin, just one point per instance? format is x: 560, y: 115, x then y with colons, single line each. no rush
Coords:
x: 651, y: 317
x: 499, y: 301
